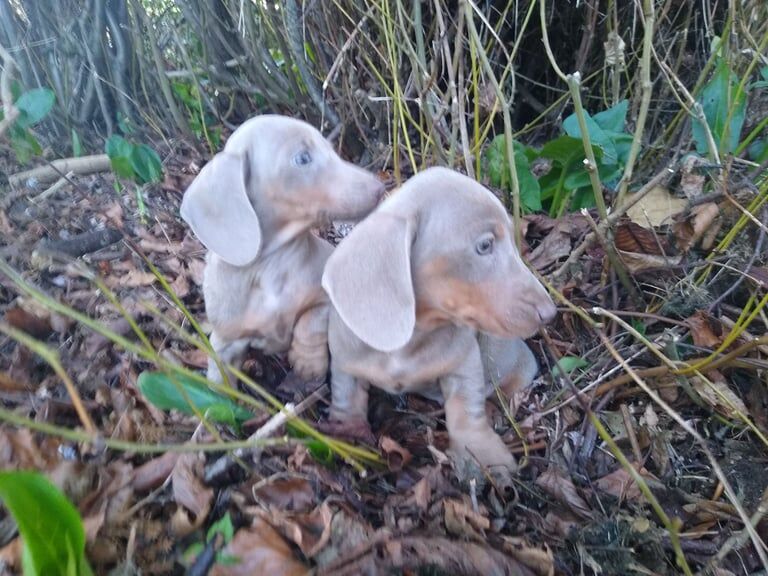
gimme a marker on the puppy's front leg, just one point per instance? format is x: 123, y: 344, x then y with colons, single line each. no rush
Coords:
x: 472, y: 437
x: 309, y: 347
x: 229, y: 352
x: 348, y: 415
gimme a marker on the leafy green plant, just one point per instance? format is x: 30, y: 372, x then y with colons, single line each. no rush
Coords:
x: 223, y: 528
x: 500, y: 177
x: 138, y: 162
x: 566, y: 184
x: 568, y: 364
x: 50, y: 526
x: 33, y: 106
x: 181, y: 393
x: 201, y: 122
x: 724, y: 106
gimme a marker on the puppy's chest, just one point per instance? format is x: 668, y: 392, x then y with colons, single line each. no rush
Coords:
x: 263, y: 307
x: 414, y: 368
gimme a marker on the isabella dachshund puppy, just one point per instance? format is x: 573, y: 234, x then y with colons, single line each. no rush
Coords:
x: 253, y: 207
x: 430, y: 295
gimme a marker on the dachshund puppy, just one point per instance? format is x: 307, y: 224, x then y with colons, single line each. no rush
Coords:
x: 430, y: 295
x: 253, y: 207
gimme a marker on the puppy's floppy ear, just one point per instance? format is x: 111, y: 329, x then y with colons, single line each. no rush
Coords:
x: 217, y: 208
x: 368, y: 279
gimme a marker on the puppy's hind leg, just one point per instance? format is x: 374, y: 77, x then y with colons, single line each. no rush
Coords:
x: 308, y: 354
x: 229, y: 352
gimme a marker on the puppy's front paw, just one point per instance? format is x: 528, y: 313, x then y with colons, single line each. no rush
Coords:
x: 350, y: 428
x: 483, y: 449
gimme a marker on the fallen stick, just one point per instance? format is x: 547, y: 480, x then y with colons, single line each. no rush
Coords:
x: 56, y: 169
x: 81, y: 244
x: 225, y: 464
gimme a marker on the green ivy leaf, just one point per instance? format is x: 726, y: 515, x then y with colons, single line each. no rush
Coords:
x: 146, y: 164
x: 500, y: 176
x: 50, y: 526
x: 613, y: 119
x: 568, y: 364
x: 563, y: 150
x: 119, y: 151
x: 717, y: 97
x: 597, y: 136
x: 34, y: 105
x: 24, y: 144
x: 222, y: 526
x: 167, y: 393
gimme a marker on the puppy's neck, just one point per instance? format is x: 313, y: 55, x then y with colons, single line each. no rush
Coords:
x: 290, y: 235
x: 429, y: 318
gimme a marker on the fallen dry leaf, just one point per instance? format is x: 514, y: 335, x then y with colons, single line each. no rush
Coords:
x: 700, y: 226
x: 132, y: 279
x: 656, y: 208
x: 397, y: 456
x: 706, y: 331
x: 259, y: 550
x: 631, y: 237
x: 462, y: 520
x: 558, y: 486
x: 638, y: 262
x: 719, y: 396
x: 188, y: 488
x: 290, y: 494
x: 620, y: 483
x: 310, y: 532
x: 36, y: 326
x: 538, y: 558
x: 154, y: 472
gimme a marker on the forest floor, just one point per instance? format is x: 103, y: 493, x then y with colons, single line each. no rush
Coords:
x: 574, y: 507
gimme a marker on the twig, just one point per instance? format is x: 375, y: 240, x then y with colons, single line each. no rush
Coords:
x: 645, y: 101
x: 508, y: 141
x: 613, y: 217
x: 82, y: 165
x: 736, y: 541
x: 53, y: 188
x: 10, y: 112
x: 684, y: 424
x: 253, y: 449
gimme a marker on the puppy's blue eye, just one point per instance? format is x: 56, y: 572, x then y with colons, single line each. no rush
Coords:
x: 484, y: 246
x: 302, y: 158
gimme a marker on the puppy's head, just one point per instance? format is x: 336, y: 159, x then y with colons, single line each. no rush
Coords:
x: 275, y: 174
x: 442, y: 250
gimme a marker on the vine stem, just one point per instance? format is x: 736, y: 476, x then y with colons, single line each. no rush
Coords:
x: 649, y: 20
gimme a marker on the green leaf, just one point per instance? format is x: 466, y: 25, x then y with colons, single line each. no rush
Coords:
x: 500, y: 176
x: 34, y: 105
x: 50, y: 526
x: 613, y: 119
x: 717, y: 97
x: 167, y: 393
x: 568, y: 364
x: 222, y: 526
x: 758, y: 151
x: 119, y: 151
x: 24, y: 144
x: 146, y: 164
x: 563, y: 150
x: 77, y: 146
x: 582, y: 198
x: 597, y: 136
